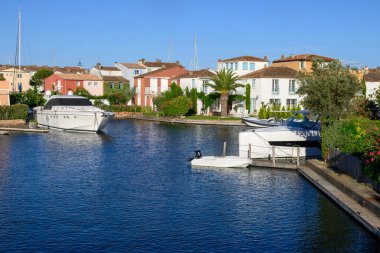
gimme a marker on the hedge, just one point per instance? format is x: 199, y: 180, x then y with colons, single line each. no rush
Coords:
x: 18, y: 111
x: 121, y: 108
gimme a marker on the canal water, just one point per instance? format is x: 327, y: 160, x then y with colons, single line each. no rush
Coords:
x: 132, y: 190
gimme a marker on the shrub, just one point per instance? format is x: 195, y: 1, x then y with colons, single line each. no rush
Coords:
x: 121, y: 108
x: 176, y: 107
x: 18, y: 111
x: 117, y: 98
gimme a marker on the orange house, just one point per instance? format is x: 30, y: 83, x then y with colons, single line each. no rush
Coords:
x: 299, y: 62
x: 150, y: 84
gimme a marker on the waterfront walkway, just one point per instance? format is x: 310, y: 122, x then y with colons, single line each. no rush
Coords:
x: 357, y: 199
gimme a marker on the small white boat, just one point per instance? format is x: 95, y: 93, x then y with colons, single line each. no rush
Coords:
x: 221, y: 162
x: 260, y: 123
x: 72, y: 113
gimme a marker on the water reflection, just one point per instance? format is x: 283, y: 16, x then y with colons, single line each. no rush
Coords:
x: 132, y: 189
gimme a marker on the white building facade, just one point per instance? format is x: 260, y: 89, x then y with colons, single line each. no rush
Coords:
x: 244, y: 64
x: 272, y: 85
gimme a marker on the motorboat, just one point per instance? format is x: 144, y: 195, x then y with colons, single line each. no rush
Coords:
x: 259, y: 123
x: 222, y: 162
x: 284, y: 141
x: 218, y: 161
x: 71, y: 113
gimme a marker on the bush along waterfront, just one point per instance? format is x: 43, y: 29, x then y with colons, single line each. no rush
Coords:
x: 18, y: 111
x: 336, y: 93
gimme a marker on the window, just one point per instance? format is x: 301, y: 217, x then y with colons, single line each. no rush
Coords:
x: 302, y: 65
x: 291, y: 103
x: 204, y: 85
x: 292, y: 86
x: 20, y: 87
x: 236, y: 65
x: 193, y: 83
x: 275, y: 86
x: 252, y: 66
x: 112, y: 86
x: 19, y: 75
x: 95, y: 83
x: 120, y: 86
x: 245, y: 65
x: 78, y: 83
x: 253, y: 83
x: 89, y: 83
x: 274, y: 101
x: 136, y: 71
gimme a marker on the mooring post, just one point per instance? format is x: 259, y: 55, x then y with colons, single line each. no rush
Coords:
x: 274, y: 156
x: 249, y: 150
x: 298, y: 156
x: 224, y: 148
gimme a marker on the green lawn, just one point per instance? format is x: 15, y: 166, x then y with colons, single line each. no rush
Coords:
x: 200, y: 117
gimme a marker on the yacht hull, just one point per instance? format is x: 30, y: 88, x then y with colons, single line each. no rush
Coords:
x: 86, y: 121
x: 259, y: 143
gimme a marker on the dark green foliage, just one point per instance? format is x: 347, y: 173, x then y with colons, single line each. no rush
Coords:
x: 31, y: 97
x: 38, y: 79
x: 2, y: 78
x: 121, y: 108
x: 173, y: 92
x: 248, y: 97
x: 194, y: 98
x: 328, y: 89
x: 207, y: 100
x: 107, y: 89
x: 83, y: 92
x: 18, y: 111
x: 175, y: 107
x: 117, y: 98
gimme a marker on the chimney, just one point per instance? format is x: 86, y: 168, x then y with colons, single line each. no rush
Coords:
x: 266, y: 58
x: 282, y: 56
x: 158, y: 60
x: 178, y: 62
x: 98, y: 65
x: 142, y: 61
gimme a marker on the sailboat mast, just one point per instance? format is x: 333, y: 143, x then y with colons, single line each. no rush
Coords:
x: 19, y: 51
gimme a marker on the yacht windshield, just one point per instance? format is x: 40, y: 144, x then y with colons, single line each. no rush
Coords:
x: 68, y: 102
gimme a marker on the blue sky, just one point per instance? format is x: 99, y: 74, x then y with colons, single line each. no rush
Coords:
x: 93, y: 31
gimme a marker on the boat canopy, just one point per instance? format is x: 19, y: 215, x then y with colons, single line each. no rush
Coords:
x: 66, y: 101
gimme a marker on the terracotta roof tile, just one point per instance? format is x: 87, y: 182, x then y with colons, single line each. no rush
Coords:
x: 303, y: 57
x: 159, y: 64
x: 373, y: 76
x: 272, y: 72
x: 205, y: 73
x: 84, y: 77
x: 133, y: 65
x: 245, y: 58
x: 108, y: 68
x: 114, y: 79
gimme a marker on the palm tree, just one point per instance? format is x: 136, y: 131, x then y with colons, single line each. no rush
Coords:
x: 224, y: 82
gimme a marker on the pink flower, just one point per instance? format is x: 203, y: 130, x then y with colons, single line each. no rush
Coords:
x: 377, y: 152
x: 371, y: 153
x: 372, y: 160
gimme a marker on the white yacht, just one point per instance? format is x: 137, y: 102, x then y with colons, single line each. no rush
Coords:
x: 72, y: 113
x: 286, y: 138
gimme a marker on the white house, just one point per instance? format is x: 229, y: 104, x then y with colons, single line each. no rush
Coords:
x: 272, y: 85
x: 372, y: 82
x: 100, y: 70
x: 244, y: 64
x: 130, y: 70
x: 199, y: 80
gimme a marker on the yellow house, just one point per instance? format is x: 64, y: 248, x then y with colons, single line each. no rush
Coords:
x: 299, y: 62
x: 4, y: 93
x: 18, y: 81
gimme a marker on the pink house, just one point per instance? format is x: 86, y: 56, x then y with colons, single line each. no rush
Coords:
x: 5, y: 88
x: 64, y: 83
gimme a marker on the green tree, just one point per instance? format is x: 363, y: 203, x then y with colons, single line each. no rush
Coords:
x: 2, y: 78
x: 194, y: 98
x: 117, y: 98
x: 224, y: 82
x: 31, y: 97
x: 248, y: 97
x: 328, y: 89
x: 38, y: 79
x: 82, y: 92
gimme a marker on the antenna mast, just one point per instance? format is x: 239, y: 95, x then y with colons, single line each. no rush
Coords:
x: 194, y: 61
x: 19, y: 51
